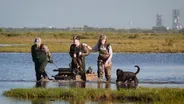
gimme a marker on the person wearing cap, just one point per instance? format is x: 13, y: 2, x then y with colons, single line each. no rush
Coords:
x: 104, y: 62
x: 40, y: 56
x: 78, y: 52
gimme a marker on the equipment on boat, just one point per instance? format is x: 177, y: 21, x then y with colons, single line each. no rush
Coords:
x: 68, y: 74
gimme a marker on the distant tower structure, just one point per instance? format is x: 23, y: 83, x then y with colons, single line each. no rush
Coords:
x: 159, y: 21
x: 176, y: 20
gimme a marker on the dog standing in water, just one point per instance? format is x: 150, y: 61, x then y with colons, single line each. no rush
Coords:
x: 128, y: 77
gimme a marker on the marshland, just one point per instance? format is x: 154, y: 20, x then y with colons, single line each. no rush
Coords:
x: 121, y: 42
x: 160, y: 57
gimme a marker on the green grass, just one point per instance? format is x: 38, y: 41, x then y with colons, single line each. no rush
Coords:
x: 156, y: 95
x: 60, y: 41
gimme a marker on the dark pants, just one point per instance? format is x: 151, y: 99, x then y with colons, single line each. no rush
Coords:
x: 78, y: 67
x: 40, y: 70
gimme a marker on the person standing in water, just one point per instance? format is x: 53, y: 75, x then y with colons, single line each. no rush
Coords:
x: 40, y: 56
x: 104, y: 62
x: 78, y: 52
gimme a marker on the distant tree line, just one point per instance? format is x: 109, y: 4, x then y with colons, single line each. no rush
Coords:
x: 93, y: 29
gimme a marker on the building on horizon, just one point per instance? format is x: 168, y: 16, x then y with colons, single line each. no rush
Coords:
x: 176, y: 20
x: 159, y: 24
x: 159, y: 20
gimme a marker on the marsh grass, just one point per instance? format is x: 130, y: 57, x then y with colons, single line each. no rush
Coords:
x: 60, y: 41
x: 156, y: 95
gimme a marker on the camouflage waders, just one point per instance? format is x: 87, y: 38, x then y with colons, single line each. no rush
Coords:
x: 40, y: 66
x: 78, y: 63
x: 40, y: 59
x: 102, y: 69
x: 102, y: 58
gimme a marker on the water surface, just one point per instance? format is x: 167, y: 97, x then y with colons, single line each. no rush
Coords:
x: 157, y: 70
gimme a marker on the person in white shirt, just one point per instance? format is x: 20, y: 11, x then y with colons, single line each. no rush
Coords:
x: 104, y: 59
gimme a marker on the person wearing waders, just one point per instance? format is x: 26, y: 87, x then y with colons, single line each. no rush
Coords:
x: 78, y: 53
x: 104, y: 62
x: 40, y: 56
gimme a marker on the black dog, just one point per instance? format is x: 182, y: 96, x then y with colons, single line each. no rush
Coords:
x: 127, y: 76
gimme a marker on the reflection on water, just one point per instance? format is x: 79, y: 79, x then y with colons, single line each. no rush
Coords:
x: 46, y: 101
x: 40, y: 101
x: 41, y: 84
x: 126, y: 86
x: 106, y: 85
x: 82, y: 84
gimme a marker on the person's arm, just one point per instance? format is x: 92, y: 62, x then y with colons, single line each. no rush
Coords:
x: 108, y: 61
x: 72, y: 51
x: 110, y: 54
x: 46, y: 49
x: 33, y: 53
x: 95, y: 48
x: 86, y: 51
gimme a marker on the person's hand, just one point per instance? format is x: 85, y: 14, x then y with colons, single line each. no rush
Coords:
x: 107, y: 55
x: 107, y: 63
x: 84, y: 44
x: 50, y: 61
x: 74, y: 55
x: 80, y: 53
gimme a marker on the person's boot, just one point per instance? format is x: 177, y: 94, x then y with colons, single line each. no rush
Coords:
x: 46, y: 79
x: 83, y: 75
x: 100, y: 79
x: 108, y: 79
x: 38, y: 79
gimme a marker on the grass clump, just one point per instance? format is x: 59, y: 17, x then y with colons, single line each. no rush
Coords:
x: 157, y: 95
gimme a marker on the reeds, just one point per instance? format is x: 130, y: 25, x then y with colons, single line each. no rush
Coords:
x: 61, y: 41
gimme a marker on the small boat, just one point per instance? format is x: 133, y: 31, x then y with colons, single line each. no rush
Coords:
x: 67, y: 74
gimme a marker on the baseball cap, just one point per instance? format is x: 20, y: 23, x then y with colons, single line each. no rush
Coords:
x: 37, y: 40
x: 103, y: 36
x: 76, y: 37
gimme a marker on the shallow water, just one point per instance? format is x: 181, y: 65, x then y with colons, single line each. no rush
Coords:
x: 157, y: 70
x: 154, y: 67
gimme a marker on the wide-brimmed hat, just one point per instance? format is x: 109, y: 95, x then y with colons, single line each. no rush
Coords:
x: 37, y: 40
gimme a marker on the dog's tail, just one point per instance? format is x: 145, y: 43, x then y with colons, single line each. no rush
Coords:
x: 138, y: 69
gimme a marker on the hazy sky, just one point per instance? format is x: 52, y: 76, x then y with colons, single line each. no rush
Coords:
x: 95, y: 13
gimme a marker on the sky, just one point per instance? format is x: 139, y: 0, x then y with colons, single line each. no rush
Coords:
x: 93, y: 13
